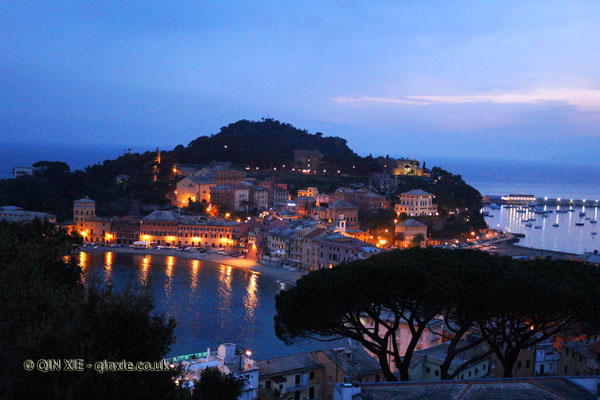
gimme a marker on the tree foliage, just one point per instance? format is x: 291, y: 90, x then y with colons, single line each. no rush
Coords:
x: 510, y: 304
x: 213, y: 385
x: 47, y: 313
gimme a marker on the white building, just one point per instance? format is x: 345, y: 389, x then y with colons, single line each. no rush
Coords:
x: 22, y: 171
x: 416, y: 203
x: 227, y: 360
x: 546, y: 359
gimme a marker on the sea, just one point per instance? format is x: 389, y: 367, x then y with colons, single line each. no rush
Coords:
x: 212, y: 303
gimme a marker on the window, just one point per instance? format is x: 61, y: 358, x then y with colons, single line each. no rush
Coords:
x: 312, y: 375
x: 311, y: 392
x: 566, y: 369
x: 268, y: 384
x: 527, y: 363
x: 518, y: 364
x: 297, y: 379
x: 437, y: 372
x: 428, y: 370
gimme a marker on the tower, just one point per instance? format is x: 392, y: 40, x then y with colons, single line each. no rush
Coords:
x: 84, y: 209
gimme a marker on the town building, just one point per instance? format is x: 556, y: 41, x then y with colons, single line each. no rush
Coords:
x: 308, y: 192
x: 538, y: 388
x: 401, y: 166
x: 336, y: 248
x: 434, y: 334
x: 322, y: 199
x: 17, y: 214
x: 347, y: 364
x: 299, y: 376
x: 165, y: 228
x: 194, y: 188
x: 125, y: 230
x: 19, y: 172
x: 92, y: 228
x: 228, y: 360
x: 407, y: 231
x: 342, y: 207
x: 579, y: 357
x: 547, y: 359
x: 160, y: 228
x: 278, y: 197
x: 426, y: 364
x: 384, y: 182
x: 416, y: 203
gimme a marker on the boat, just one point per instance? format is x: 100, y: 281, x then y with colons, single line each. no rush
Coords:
x: 528, y: 225
x: 490, y: 215
x: 593, y: 221
x: 555, y: 225
x: 545, y: 216
x: 538, y: 227
x: 570, y: 210
x: 561, y: 211
x: 531, y: 219
x: 579, y: 223
x: 587, y: 218
x: 495, y: 206
x: 594, y: 233
x: 582, y: 213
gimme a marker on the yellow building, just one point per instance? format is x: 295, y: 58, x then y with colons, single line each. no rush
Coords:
x: 92, y: 228
x: 194, y: 188
x: 308, y: 192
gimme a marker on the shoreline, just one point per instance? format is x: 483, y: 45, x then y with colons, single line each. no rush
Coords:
x: 280, y: 274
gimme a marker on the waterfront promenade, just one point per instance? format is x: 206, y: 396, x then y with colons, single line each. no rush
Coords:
x: 281, y: 274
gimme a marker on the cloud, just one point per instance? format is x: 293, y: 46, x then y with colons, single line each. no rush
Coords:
x: 583, y: 99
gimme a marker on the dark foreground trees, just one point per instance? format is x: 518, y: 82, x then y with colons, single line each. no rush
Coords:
x: 47, y: 313
x: 510, y: 304
x: 213, y: 385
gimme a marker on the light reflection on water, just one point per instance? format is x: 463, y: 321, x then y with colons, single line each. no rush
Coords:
x: 567, y: 237
x: 212, y: 303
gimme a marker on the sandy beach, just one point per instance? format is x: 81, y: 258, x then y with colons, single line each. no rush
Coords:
x: 284, y: 275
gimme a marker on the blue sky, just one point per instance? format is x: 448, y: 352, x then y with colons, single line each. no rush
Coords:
x: 503, y: 80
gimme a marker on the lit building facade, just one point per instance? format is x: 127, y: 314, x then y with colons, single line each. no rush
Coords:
x: 416, y: 203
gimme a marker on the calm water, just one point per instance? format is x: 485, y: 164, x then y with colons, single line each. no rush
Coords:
x: 566, y: 237
x: 212, y: 303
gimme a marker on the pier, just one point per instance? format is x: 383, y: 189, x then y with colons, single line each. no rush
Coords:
x: 525, y: 200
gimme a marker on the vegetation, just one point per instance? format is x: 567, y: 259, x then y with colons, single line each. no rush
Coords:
x: 213, y: 385
x: 47, y: 313
x: 511, y: 304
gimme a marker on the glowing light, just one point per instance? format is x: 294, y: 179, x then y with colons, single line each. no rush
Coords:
x: 227, y: 215
x: 171, y: 238
x: 146, y: 237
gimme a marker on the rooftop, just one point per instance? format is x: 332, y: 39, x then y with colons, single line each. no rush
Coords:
x: 538, y: 388
x: 410, y: 222
x: 418, y: 192
x: 341, y: 204
x: 354, y: 360
x: 200, y: 180
x: 287, y: 365
x: 161, y: 216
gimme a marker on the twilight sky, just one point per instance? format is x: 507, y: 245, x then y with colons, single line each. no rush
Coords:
x: 503, y: 80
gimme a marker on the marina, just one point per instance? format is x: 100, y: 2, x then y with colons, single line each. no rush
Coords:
x: 571, y: 229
